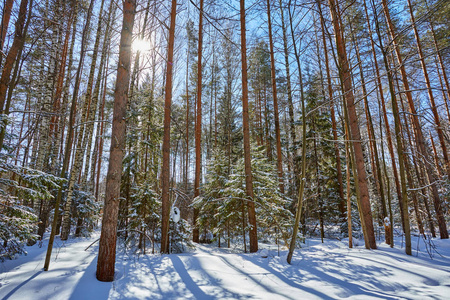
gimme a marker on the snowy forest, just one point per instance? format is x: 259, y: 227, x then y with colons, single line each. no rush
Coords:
x: 162, y: 128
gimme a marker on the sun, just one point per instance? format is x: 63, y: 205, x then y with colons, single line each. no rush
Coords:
x: 141, y: 45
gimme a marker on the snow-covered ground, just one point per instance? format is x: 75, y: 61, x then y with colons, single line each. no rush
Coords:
x: 319, y: 271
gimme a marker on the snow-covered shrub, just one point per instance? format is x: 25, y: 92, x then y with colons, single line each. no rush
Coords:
x: 143, y: 218
x: 86, y: 212
x: 179, y: 236
x: 222, y: 206
x: 18, y: 224
x: 19, y: 188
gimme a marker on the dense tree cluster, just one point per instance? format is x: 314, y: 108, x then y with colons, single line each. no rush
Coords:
x: 255, y: 119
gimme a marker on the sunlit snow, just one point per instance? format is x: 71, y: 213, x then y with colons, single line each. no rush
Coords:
x: 319, y: 271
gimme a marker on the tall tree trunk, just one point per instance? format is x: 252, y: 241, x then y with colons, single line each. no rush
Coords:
x: 333, y: 119
x: 401, y: 161
x: 6, y: 15
x: 346, y: 76
x: 403, y: 200
x: 93, y: 106
x: 349, y: 196
x: 298, y: 212
x: 385, y: 114
x: 58, y: 107
x: 275, y: 103
x: 19, y: 39
x: 65, y: 165
x: 390, y: 225
x: 246, y: 129
x: 165, y: 172
x: 47, y: 103
x: 198, y: 124
x: 436, y: 158
x: 289, y: 97
x: 186, y: 175
x: 374, y: 158
x: 107, y: 247
x: 101, y: 141
x: 68, y: 81
x: 48, y: 85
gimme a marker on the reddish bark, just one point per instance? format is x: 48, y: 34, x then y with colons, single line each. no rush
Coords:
x: 275, y: 103
x: 107, y: 248
x: 355, y: 134
x: 246, y: 129
x: 198, y: 124
x: 18, y: 42
x: 5, y: 22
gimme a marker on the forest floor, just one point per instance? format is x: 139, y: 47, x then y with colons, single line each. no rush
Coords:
x: 318, y: 271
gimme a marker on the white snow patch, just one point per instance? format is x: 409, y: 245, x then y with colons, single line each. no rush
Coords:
x: 318, y: 271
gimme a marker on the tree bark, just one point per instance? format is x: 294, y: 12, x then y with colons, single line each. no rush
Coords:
x: 299, y: 210
x: 345, y: 75
x: 289, y: 98
x: 165, y: 172
x: 7, y: 8
x: 275, y: 103
x: 18, y: 42
x: 246, y: 130
x: 107, y: 246
x: 198, y: 124
x: 342, y: 203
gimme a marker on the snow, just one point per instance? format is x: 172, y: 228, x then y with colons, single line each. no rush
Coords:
x: 319, y: 271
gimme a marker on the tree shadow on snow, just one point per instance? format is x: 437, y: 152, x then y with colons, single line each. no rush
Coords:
x: 359, y: 281
x: 88, y: 287
x: 14, y: 290
x: 219, y: 291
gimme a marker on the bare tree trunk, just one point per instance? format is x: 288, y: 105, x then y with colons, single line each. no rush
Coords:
x: 299, y: 210
x: 186, y: 175
x: 374, y: 158
x: 6, y: 15
x: 349, y: 203
x: 275, y: 103
x: 100, y: 142
x: 436, y: 158
x: 14, y: 80
x: 165, y: 172
x: 93, y: 106
x: 47, y: 103
x: 389, y: 241
x: 289, y: 97
x: 333, y: 119
x: 107, y: 246
x: 198, y: 124
x: 19, y: 39
x: 401, y: 162
x: 246, y: 129
x: 56, y: 122
x: 345, y: 75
